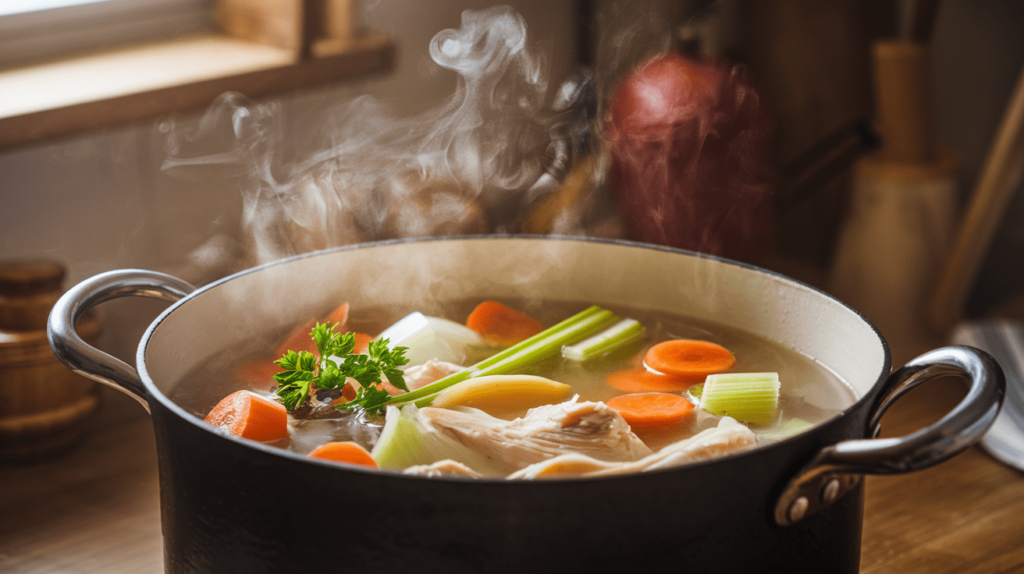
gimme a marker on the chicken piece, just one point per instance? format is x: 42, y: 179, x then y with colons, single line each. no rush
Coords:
x: 572, y: 464
x: 423, y: 374
x: 587, y: 428
x: 446, y: 467
x: 728, y: 437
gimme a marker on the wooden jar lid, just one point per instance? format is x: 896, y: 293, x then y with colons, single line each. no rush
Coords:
x: 21, y: 348
x: 26, y: 278
x: 43, y: 405
x: 28, y: 290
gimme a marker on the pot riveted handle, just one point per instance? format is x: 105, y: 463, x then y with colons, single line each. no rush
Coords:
x: 836, y: 469
x: 88, y: 361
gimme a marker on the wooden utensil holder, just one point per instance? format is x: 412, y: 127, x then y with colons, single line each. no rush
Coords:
x: 902, y: 209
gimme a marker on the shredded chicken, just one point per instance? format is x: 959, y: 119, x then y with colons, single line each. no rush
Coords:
x: 589, y: 428
x: 728, y: 437
x: 446, y: 467
x: 423, y: 374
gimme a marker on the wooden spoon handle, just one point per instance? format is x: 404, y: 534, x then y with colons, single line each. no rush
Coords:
x: 1000, y: 176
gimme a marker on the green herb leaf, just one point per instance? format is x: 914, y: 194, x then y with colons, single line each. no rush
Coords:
x: 370, y: 399
x: 303, y: 372
x: 331, y: 379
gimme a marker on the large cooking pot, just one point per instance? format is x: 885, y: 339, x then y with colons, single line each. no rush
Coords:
x: 233, y: 505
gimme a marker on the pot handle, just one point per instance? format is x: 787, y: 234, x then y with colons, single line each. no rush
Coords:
x: 85, y: 359
x: 836, y: 469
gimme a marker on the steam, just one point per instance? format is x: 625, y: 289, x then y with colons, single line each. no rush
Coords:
x: 461, y: 167
x: 687, y: 170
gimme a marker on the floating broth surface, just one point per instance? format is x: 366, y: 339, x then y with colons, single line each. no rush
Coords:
x: 809, y: 391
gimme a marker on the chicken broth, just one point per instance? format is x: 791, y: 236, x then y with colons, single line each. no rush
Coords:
x: 809, y: 392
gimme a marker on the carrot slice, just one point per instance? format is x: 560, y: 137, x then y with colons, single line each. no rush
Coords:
x: 346, y: 452
x: 644, y: 381
x: 651, y: 409
x: 251, y: 416
x: 497, y: 321
x: 339, y: 316
x: 362, y: 343
x: 299, y: 339
x: 348, y: 392
x: 689, y: 358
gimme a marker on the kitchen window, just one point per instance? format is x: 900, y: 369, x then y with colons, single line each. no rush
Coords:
x: 32, y: 30
x: 72, y: 65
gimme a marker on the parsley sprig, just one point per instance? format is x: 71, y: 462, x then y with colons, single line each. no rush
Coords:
x: 302, y: 372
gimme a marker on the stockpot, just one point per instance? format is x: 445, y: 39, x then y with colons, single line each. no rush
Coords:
x: 233, y: 505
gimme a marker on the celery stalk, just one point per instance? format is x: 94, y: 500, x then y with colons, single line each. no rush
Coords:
x: 784, y: 429
x: 693, y: 393
x: 746, y: 397
x: 541, y: 346
x: 625, y: 332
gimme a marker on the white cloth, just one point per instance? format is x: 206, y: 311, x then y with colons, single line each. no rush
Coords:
x: 1004, y: 340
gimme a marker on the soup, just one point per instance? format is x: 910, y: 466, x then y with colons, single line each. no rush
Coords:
x: 808, y: 393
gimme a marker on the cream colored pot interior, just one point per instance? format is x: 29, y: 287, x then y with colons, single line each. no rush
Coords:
x: 227, y: 315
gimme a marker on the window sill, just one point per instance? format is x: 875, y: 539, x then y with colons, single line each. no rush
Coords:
x: 149, y: 81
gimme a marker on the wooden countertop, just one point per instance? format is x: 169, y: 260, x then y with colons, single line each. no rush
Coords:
x: 964, y: 516
x: 96, y: 509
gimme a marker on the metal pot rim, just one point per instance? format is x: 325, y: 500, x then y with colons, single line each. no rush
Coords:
x: 862, y: 402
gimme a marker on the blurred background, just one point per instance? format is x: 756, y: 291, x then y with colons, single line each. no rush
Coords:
x: 99, y: 188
